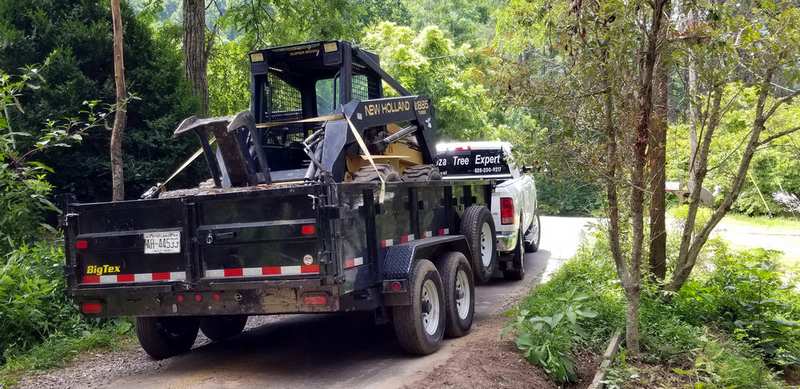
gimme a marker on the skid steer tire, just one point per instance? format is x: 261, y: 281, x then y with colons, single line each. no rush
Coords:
x: 459, y: 291
x: 164, y: 337
x: 219, y: 328
x: 368, y: 174
x: 477, y: 226
x: 422, y: 173
x: 419, y: 327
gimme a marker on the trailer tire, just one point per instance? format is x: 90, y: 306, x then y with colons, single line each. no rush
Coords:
x: 459, y: 291
x: 532, y: 245
x: 368, y: 174
x: 420, y: 332
x: 517, y: 261
x: 164, y: 337
x: 219, y: 328
x: 477, y: 226
x: 422, y: 173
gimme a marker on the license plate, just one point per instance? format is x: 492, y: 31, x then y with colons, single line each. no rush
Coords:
x: 166, y: 242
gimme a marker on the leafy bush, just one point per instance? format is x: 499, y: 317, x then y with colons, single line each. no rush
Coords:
x: 546, y: 340
x: 34, y: 303
x: 580, y: 306
x: 750, y: 298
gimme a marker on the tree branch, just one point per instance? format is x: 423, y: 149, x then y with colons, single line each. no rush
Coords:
x: 778, y: 135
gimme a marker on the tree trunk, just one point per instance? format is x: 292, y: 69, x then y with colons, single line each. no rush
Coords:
x: 632, y: 321
x: 694, y: 122
x: 194, y: 50
x: 117, y: 132
x: 657, y: 162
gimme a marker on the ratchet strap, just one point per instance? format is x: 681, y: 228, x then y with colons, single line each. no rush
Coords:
x: 364, y: 150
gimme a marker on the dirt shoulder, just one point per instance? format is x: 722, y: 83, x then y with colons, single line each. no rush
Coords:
x: 487, y: 361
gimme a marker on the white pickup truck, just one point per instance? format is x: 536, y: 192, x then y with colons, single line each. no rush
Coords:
x: 513, y: 205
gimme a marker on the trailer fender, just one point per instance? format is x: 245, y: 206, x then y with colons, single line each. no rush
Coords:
x: 399, y: 260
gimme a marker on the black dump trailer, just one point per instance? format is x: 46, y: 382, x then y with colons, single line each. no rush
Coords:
x: 297, y: 218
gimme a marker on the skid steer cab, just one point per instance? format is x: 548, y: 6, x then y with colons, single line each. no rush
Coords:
x: 322, y: 197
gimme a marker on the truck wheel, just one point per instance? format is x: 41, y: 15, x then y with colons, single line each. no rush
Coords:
x: 535, y: 235
x: 459, y: 292
x: 422, y: 173
x: 420, y: 326
x: 368, y: 174
x: 219, y: 328
x: 517, y: 260
x: 163, y: 337
x: 477, y: 226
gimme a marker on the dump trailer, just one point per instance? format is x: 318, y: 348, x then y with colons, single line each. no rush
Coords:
x: 321, y: 198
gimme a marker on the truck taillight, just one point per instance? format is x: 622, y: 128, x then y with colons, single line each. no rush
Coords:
x: 506, y: 210
x: 82, y: 244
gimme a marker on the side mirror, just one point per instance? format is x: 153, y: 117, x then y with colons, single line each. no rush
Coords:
x: 526, y: 169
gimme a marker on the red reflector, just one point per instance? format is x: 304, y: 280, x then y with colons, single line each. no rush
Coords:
x: 308, y: 229
x: 179, y: 298
x: 82, y: 244
x: 91, y: 308
x: 216, y: 296
x: 316, y: 299
x: 198, y: 297
x: 396, y: 286
x: 506, y: 210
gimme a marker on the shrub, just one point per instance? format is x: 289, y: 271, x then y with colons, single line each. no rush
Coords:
x: 34, y: 303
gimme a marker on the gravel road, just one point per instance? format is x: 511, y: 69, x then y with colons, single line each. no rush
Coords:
x: 308, y: 351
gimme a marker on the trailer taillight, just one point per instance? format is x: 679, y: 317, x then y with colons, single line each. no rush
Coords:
x: 315, y: 299
x: 82, y: 244
x: 92, y: 308
x: 506, y: 210
x: 308, y: 229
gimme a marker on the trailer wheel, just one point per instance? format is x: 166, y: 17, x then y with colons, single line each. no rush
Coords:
x: 459, y: 291
x: 535, y: 234
x: 163, y: 337
x: 422, y: 173
x: 477, y: 226
x: 368, y: 174
x: 420, y: 326
x: 517, y: 260
x: 219, y: 328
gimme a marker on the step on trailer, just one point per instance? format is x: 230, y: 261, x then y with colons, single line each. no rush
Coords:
x: 314, y: 205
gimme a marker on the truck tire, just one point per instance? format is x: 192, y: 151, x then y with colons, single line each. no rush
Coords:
x: 459, y: 292
x: 164, y: 337
x: 219, y: 328
x: 368, y: 174
x: 422, y: 173
x: 477, y: 226
x: 517, y: 261
x: 420, y: 326
x: 535, y: 236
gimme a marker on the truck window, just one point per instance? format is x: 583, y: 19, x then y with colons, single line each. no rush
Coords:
x: 469, y: 162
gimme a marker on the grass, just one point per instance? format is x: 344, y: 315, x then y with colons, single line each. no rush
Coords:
x: 58, y: 350
x: 777, y: 222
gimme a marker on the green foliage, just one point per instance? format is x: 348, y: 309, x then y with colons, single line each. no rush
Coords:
x: 573, y: 309
x: 546, y: 340
x: 736, y: 318
x: 73, y: 41
x: 429, y: 64
x: 34, y: 304
x: 750, y: 298
x: 59, y: 349
x: 775, y: 168
x: 228, y: 79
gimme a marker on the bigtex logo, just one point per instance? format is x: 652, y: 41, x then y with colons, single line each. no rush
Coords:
x: 99, y: 270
